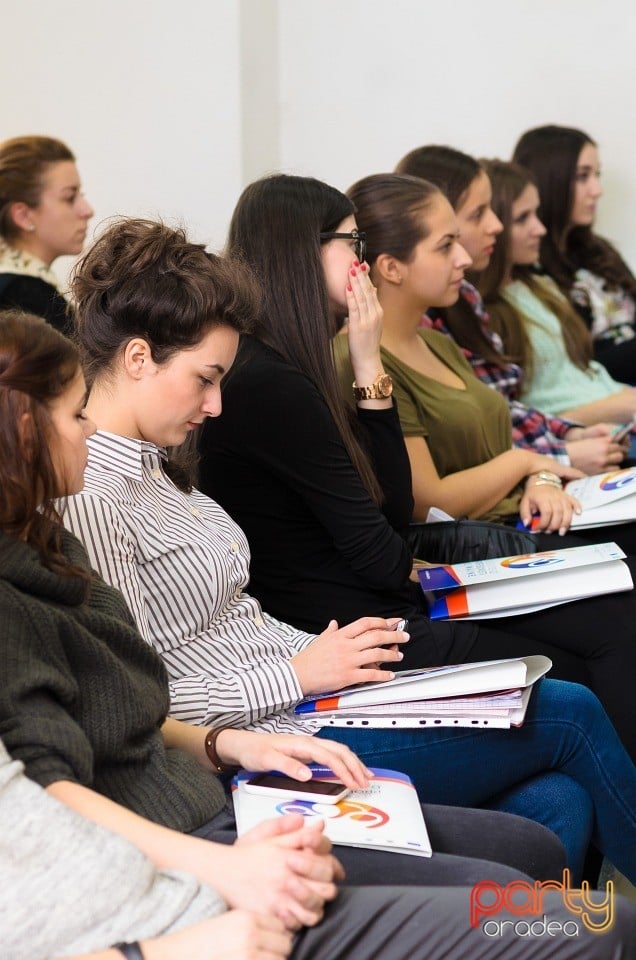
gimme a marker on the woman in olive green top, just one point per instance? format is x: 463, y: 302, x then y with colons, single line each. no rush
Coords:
x: 457, y: 430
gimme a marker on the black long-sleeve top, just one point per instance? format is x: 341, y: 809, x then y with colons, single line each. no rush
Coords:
x: 320, y: 547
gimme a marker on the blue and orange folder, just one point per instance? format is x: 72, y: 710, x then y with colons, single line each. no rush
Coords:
x: 493, y: 587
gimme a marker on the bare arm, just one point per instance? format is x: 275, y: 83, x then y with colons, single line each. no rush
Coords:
x: 288, y: 753
x: 619, y: 407
x: 476, y: 490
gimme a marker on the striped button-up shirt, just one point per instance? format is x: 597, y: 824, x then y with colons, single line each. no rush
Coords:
x: 182, y: 564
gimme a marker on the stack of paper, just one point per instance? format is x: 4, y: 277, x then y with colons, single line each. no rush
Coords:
x: 506, y: 586
x: 385, y: 816
x: 460, y: 695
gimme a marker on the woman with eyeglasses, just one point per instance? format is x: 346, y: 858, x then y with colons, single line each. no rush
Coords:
x: 588, y: 270
x: 43, y: 215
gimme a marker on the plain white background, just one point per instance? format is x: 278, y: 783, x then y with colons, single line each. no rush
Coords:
x: 172, y: 108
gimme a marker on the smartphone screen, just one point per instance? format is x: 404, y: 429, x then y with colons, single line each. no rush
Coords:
x: 318, y: 788
x: 621, y: 431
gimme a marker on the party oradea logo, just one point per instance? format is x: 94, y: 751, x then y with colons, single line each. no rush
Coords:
x: 526, y: 901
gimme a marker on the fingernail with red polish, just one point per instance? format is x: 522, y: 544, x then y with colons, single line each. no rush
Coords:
x: 363, y: 267
x: 349, y: 287
x: 352, y: 272
x: 356, y: 263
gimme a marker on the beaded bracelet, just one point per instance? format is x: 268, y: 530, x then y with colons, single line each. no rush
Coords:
x: 132, y: 951
x: 210, y: 749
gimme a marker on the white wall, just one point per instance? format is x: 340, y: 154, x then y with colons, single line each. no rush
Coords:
x: 364, y: 81
x: 172, y: 107
x: 145, y: 92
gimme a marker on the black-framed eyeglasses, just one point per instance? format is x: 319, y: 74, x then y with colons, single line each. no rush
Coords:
x: 359, y: 238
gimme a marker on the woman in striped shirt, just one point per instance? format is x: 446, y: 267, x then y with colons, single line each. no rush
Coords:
x: 155, y: 358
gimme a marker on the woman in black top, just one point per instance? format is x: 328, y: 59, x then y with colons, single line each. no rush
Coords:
x: 290, y: 468
x: 43, y: 216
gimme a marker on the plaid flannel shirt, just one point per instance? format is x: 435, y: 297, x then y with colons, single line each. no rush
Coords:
x: 530, y: 427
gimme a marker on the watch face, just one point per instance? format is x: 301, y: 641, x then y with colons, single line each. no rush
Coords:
x: 385, y: 385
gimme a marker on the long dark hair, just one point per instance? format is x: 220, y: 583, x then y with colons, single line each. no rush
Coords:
x: 508, y: 181
x: 388, y: 208
x: 450, y: 170
x: 551, y: 153
x: 37, y: 364
x: 275, y: 229
x: 453, y: 172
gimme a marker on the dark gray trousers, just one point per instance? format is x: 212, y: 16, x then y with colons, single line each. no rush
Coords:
x: 469, y: 846
x: 432, y: 923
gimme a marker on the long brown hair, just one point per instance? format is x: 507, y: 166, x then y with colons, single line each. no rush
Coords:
x: 551, y: 153
x: 276, y: 229
x: 508, y: 181
x: 454, y: 173
x: 37, y: 364
x: 24, y: 162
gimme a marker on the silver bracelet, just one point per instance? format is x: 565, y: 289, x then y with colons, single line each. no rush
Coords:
x: 548, y: 483
x: 546, y: 476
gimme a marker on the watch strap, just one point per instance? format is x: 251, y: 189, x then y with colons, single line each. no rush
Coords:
x: 213, y: 757
x: 374, y: 390
x: 132, y: 951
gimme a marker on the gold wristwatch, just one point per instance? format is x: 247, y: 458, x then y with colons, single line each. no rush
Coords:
x: 380, y: 389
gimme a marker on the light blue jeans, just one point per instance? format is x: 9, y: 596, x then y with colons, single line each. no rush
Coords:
x: 566, y: 732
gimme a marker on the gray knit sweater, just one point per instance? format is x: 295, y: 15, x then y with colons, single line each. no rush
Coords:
x: 70, y: 886
x: 83, y: 696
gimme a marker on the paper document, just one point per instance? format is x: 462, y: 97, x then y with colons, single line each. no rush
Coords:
x: 606, y: 498
x: 447, y: 576
x: 386, y: 816
x: 432, y: 682
x: 558, y: 586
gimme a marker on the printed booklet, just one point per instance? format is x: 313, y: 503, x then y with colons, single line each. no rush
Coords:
x: 435, y: 696
x: 385, y: 816
x: 606, y: 498
x: 506, y: 586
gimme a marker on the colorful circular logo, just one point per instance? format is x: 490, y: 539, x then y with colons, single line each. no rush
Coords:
x: 529, y: 560
x: 616, y: 481
x: 362, y: 813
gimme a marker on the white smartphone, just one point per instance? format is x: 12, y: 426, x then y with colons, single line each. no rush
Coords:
x: 270, y: 784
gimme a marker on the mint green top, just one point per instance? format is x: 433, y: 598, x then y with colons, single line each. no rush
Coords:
x: 557, y: 384
x: 462, y: 427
